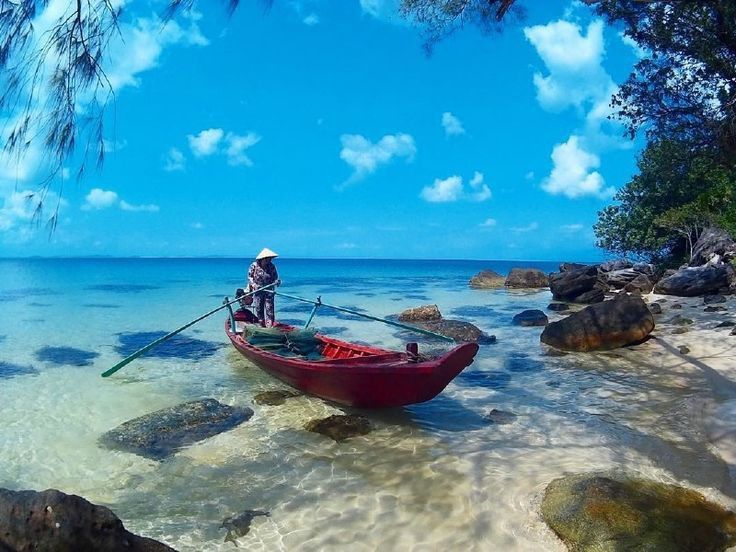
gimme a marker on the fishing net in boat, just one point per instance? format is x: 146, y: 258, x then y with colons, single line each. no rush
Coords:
x: 292, y: 343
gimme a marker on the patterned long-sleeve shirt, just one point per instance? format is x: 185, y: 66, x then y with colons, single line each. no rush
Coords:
x: 259, y: 276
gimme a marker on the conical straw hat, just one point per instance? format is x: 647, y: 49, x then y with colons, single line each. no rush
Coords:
x: 266, y: 253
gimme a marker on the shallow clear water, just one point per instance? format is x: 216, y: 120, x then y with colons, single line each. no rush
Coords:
x: 433, y: 475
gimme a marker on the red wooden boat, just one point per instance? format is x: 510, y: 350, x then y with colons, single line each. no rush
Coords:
x: 361, y: 376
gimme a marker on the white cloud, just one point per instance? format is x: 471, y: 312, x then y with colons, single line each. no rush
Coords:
x: 311, y: 20
x: 236, y: 148
x: 572, y: 172
x: 205, y: 143
x: 382, y: 9
x: 572, y: 227
x: 138, y: 46
x: 524, y: 229
x: 365, y: 157
x: 488, y: 223
x: 175, y: 160
x: 481, y: 191
x: 451, y: 189
x: 639, y: 52
x: 451, y: 124
x: 125, y: 206
x: 573, y: 60
x: 97, y: 198
x: 17, y: 207
x: 443, y: 191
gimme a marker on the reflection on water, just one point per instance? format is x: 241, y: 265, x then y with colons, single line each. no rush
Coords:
x: 437, y: 475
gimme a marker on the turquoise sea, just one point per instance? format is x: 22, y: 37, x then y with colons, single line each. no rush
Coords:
x: 440, y: 475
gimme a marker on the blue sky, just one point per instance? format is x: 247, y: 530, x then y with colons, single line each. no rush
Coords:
x: 321, y: 129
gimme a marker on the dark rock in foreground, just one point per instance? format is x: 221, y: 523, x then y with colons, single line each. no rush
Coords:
x: 55, y: 521
x: 487, y: 279
x: 582, y: 285
x: 421, y: 314
x: 690, y: 282
x: 162, y: 433
x: 274, y: 398
x: 531, y: 317
x: 594, y: 513
x: 340, y: 427
x: 621, y: 321
x: 462, y: 332
x: 526, y: 278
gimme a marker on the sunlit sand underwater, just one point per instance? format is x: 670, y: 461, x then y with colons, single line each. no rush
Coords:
x: 439, y: 475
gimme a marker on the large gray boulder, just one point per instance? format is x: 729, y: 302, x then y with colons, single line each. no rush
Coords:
x: 621, y: 321
x: 526, y: 278
x: 53, y: 521
x: 691, y: 282
x: 487, y: 279
x: 604, y: 513
x: 580, y: 285
x: 162, y: 433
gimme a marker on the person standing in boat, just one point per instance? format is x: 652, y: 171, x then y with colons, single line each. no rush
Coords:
x: 261, y: 273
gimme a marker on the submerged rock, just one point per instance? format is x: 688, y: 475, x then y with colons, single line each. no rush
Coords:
x: 726, y: 324
x: 690, y: 282
x: 487, y: 279
x: 655, y: 308
x: 52, y: 520
x: 458, y: 330
x: 162, y: 433
x: 679, y: 320
x: 239, y: 526
x: 500, y: 417
x: 712, y: 299
x: 558, y: 307
x: 10, y: 370
x: 526, y: 278
x: 680, y: 330
x: 621, y: 321
x: 684, y: 349
x: 421, y: 314
x: 340, y: 427
x: 676, y: 306
x: 274, y: 398
x: 531, y: 317
x: 714, y: 308
x: 593, y: 513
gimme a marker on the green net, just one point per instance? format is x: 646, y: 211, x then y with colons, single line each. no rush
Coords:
x: 294, y: 343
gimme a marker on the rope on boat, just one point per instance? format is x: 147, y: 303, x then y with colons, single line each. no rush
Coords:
x: 319, y: 303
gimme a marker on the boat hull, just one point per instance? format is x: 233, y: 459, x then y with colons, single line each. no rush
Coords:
x: 379, y: 379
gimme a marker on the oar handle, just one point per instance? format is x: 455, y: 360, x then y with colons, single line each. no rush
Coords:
x: 143, y: 350
x: 370, y: 317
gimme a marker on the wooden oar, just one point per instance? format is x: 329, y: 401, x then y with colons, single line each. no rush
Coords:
x: 319, y: 303
x: 160, y: 340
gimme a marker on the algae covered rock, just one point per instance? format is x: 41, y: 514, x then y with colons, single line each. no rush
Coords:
x: 53, y: 520
x: 460, y: 331
x: 340, y: 427
x: 160, y: 434
x: 421, y: 314
x: 274, y: 398
x: 487, y: 279
x: 596, y: 513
